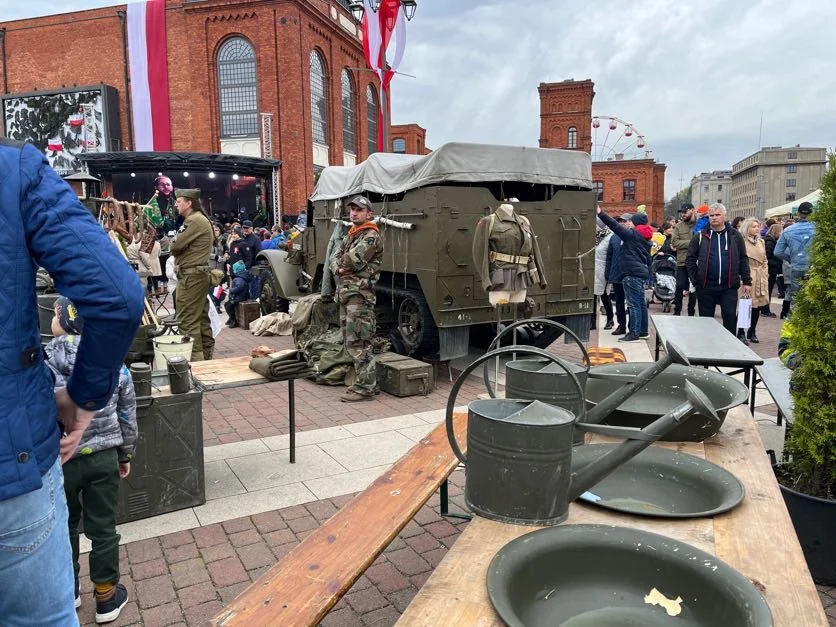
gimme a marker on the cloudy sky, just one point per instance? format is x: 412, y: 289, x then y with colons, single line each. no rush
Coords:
x: 694, y: 76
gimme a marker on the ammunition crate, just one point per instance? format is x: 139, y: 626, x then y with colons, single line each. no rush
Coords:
x: 404, y: 376
x: 246, y: 312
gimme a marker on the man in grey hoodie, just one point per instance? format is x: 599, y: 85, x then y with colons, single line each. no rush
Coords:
x: 91, y: 476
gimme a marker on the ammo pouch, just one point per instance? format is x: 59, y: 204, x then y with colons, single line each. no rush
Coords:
x: 215, y: 277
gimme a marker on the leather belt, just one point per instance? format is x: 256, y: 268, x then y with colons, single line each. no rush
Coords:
x: 518, y: 259
x: 192, y: 270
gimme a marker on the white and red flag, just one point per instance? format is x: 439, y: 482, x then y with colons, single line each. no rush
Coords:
x: 148, y: 61
x: 379, y: 29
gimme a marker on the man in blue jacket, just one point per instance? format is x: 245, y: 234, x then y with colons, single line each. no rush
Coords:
x: 45, y: 225
x: 794, y: 247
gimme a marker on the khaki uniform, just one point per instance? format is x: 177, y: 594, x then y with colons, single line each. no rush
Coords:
x: 357, y: 267
x: 506, y: 253
x: 191, y: 250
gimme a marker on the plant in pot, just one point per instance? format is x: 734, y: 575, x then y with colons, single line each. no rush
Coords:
x: 808, y: 472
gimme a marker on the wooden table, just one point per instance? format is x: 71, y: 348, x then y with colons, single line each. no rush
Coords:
x: 234, y: 372
x: 757, y: 538
x: 775, y: 377
x: 705, y: 342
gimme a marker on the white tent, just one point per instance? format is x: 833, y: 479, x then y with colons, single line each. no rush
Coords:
x: 790, y: 207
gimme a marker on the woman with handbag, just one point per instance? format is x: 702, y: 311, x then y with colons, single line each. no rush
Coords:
x: 759, y: 268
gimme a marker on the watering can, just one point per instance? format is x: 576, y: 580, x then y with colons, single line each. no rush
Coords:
x: 519, y: 464
x: 551, y: 382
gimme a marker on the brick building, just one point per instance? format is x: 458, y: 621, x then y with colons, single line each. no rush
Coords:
x: 228, y: 61
x: 410, y: 139
x: 621, y: 184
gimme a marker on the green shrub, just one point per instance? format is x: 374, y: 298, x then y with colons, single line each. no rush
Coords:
x: 811, y: 442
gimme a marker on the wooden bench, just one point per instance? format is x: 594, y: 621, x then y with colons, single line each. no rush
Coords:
x: 303, y: 586
x: 775, y: 377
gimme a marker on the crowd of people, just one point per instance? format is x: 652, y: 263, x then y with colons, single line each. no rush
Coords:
x: 718, y: 263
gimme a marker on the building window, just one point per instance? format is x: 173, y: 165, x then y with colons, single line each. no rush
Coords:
x: 598, y: 188
x: 792, y: 155
x: 371, y: 117
x: 629, y: 189
x: 790, y: 196
x: 790, y: 182
x: 705, y: 188
x: 792, y: 168
x: 399, y: 145
x: 319, y: 102
x: 237, y: 88
x: 349, y: 121
x: 420, y: 147
x: 719, y: 187
x: 573, y: 137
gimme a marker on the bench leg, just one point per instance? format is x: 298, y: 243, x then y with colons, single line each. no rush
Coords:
x: 291, y: 410
x: 444, y: 497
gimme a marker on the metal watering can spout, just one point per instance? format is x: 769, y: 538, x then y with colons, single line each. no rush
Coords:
x: 634, y: 383
x: 637, y: 439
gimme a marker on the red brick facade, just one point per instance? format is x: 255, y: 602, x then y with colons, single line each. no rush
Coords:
x: 414, y: 139
x: 87, y: 48
x: 566, y: 122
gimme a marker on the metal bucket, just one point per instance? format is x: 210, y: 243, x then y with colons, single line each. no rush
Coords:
x: 519, y: 461
x: 179, y: 374
x: 541, y: 380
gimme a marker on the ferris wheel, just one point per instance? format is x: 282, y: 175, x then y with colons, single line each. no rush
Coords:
x: 613, y: 139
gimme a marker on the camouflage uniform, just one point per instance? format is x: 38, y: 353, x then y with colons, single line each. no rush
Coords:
x: 191, y: 251
x: 357, y: 267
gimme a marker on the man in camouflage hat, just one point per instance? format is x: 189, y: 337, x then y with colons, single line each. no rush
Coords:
x: 357, y: 268
x: 191, y: 249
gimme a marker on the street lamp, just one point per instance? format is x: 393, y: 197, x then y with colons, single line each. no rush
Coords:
x: 357, y: 11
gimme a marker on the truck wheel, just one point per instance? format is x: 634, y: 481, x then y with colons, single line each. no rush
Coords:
x: 269, y: 297
x: 416, y: 325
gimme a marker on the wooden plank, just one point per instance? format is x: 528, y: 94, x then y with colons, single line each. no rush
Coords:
x: 231, y: 372
x: 756, y: 538
x: 303, y: 586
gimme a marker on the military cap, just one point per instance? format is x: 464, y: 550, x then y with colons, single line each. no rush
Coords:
x: 193, y: 194
x: 362, y: 202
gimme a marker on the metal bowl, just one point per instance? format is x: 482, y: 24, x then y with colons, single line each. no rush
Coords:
x: 598, y: 575
x: 662, y: 483
x: 663, y: 393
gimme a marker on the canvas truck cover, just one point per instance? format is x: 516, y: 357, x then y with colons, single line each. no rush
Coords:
x: 389, y: 173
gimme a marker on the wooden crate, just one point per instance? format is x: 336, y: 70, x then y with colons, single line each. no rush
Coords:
x: 246, y: 312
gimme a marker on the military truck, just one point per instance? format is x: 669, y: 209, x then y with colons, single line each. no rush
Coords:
x: 429, y: 296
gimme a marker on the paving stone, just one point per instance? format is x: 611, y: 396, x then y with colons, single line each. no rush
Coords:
x: 217, y: 552
x: 344, y: 617
x: 182, y: 552
x: 256, y: 573
x: 384, y: 617
x: 395, y: 545
x: 299, y: 525
x: 128, y: 616
x: 340, y: 501
x: 291, y: 513
x: 283, y: 549
x: 363, y: 601
x: 321, y: 510
x: 197, y: 594
x: 408, y: 562
x: 441, y: 529
x: 435, y: 556
x: 171, y: 540
x: 188, y: 573
x: 256, y: 555
x: 145, y: 570
x: 268, y: 521
x: 412, y: 528
x: 386, y: 578
x: 400, y: 599
x: 162, y: 615
x: 209, y: 535
x: 227, y: 572
x: 251, y: 536
x: 154, y: 591
x: 279, y: 537
x: 144, y: 551
x: 230, y: 592
x: 201, y: 613
x: 423, y: 543
x: 238, y: 524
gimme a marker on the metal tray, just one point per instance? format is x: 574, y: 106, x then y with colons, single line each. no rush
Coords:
x: 662, y: 483
x: 598, y: 575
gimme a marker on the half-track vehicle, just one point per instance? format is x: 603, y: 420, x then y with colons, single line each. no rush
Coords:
x: 430, y: 298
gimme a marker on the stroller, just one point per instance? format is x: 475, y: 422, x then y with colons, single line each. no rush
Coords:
x: 663, y: 280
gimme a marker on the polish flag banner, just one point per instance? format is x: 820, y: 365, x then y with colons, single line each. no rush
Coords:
x: 148, y: 62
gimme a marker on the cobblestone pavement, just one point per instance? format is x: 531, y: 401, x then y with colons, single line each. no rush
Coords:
x: 186, y: 577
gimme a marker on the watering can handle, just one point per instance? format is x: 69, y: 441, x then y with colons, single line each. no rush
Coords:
x: 520, y: 323
x: 454, y: 392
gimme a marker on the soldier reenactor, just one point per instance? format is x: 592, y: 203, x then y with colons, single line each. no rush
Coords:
x: 191, y: 249
x: 357, y: 268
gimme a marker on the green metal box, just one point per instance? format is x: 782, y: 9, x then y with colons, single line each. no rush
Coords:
x: 405, y: 377
x: 167, y: 473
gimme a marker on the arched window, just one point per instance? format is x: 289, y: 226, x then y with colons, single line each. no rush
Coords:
x: 349, y: 120
x: 319, y: 101
x: 399, y: 145
x: 237, y: 88
x: 573, y: 137
x: 372, y: 113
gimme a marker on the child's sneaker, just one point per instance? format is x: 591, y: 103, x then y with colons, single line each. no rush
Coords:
x: 109, y: 610
x: 77, y: 595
